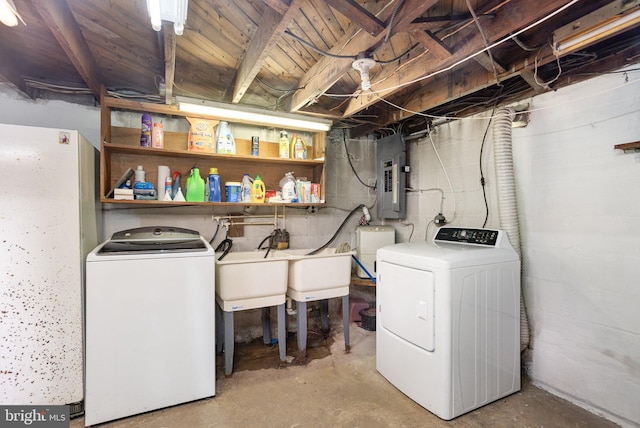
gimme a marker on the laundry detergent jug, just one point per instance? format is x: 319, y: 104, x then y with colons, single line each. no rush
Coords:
x: 195, y: 186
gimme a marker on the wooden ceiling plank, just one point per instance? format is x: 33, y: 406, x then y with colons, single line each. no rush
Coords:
x: 328, y: 70
x: 279, y: 6
x: 432, y: 43
x: 359, y: 15
x: 58, y: 17
x: 10, y: 75
x: 169, y: 60
x: 271, y: 28
x: 512, y: 16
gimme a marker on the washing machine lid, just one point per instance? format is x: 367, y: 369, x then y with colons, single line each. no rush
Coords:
x: 153, y: 240
x: 453, y: 248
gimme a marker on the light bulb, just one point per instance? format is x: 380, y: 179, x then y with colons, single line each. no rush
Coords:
x: 363, y: 65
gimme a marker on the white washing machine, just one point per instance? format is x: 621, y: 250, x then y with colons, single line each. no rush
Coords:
x: 448, y: 319
x: 150, y: 322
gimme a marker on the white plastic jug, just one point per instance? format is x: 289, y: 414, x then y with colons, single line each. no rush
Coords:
x: 245, y: 195
x: 288, y: 187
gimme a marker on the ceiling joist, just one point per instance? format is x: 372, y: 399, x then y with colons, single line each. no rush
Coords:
x: 515, y: 14
x: 58, y: 17
x: 272, y: 26
x: 328, y: 70
x: 359, y: 15
x: 169, y: 60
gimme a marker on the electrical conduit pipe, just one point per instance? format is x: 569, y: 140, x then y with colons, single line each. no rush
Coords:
x: 507, y: 204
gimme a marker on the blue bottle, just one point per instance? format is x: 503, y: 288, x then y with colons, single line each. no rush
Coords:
x: 214, y: 185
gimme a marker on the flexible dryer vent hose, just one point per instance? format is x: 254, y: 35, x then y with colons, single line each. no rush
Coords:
x: 507, y: 203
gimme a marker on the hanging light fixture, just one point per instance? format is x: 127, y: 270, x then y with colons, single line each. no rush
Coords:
x: 168, y: 10
x: 9, y: 15
x: 363, y: 63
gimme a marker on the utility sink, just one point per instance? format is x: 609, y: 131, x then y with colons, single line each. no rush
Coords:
x: 247, y: 280
x: 323, y: 275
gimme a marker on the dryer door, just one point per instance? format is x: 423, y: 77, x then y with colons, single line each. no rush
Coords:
x: 405, y: 302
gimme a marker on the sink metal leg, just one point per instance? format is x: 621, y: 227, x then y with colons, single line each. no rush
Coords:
x: 345, y: 322
x: 228, y: 343
x: 324, y: 317
x: 219, y: 328
x: 301, y: 324
x: 282, y: 332
x: 266, y: 325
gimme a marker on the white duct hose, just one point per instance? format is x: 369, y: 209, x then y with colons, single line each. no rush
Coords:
x: 507, y: 205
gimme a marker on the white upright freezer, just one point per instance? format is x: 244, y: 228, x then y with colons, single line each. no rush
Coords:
x: 48, y: 224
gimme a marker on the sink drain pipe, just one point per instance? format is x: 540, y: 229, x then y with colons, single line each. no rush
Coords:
x: 507, y: 204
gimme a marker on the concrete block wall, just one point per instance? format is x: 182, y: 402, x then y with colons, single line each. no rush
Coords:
x: 579, y: 204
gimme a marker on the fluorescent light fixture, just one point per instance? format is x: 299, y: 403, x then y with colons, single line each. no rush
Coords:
x: 252, y: 115
x: 605, y: 22
x: 168, y: 10
x: 9, y: 14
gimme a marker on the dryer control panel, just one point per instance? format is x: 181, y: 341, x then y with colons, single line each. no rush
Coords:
x: 468, y: 236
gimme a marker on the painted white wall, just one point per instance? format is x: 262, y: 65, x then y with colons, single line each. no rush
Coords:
x: 50, y: 114
x: 579, y: 206
x: 579, y: 203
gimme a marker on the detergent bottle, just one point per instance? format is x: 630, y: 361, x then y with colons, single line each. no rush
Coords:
x: 284, y: 145
x: 245, y: 192
x: 195, y: 186
x: 214, y: 185
x: 225, y: 143
x: 288, y: 187
x: 257, y: 190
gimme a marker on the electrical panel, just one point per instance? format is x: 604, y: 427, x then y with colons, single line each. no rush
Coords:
x: 391, y: 158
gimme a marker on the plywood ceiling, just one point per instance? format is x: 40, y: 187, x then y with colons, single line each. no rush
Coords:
x: 296, y: 55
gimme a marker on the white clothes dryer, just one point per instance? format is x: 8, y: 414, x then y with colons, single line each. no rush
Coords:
x: 448, y: 319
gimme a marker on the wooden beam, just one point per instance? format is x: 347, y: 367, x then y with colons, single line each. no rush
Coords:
x: 328, y: 70
x: 169, y: 60
x: 440, y: 90
x: 279, y: 6
x: 358, y: 15
x: 488, y: 62
x: 269, y: 32
x: 58, y: 17
x: 510, y: 17
x: 530, y: 77
x: 432, y: 43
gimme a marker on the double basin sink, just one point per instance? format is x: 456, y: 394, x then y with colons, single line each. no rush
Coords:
x: 247, y: 280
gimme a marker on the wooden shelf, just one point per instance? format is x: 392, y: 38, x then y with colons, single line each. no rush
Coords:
x: 120, y: 150
x: 628, y: 146
x: 168, y: 152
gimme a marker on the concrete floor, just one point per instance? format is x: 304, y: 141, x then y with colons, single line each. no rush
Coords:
x: 335, y: 389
